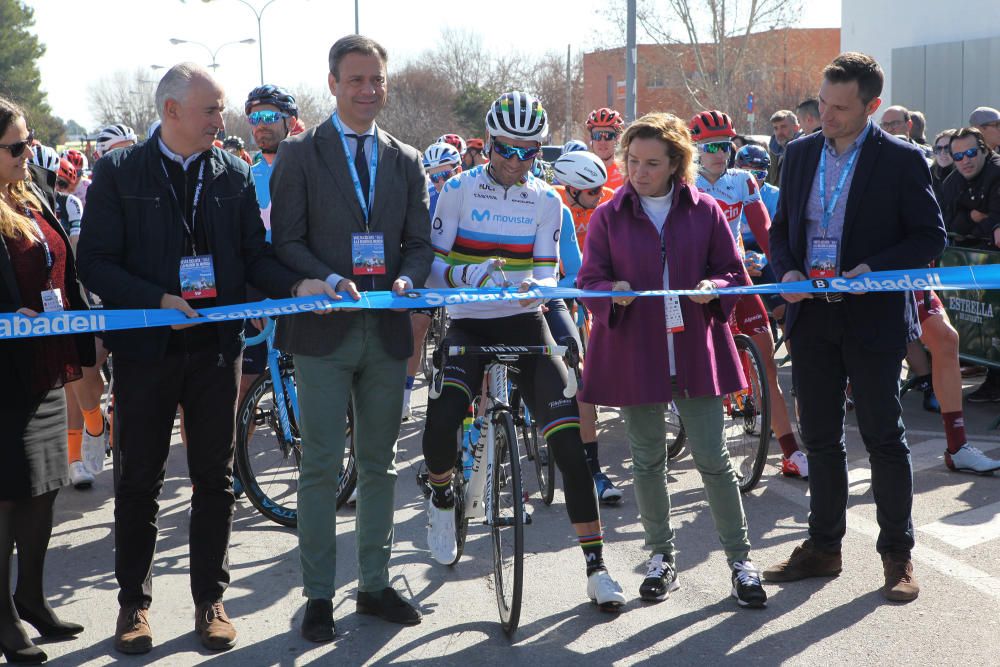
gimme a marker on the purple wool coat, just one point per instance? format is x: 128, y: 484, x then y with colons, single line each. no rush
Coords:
x: 627, y: 362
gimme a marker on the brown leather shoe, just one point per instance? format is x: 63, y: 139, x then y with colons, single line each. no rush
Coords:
x: 132, y: 632
x: 214, y: 628
x: 806, y: 561
x: 900, y: 584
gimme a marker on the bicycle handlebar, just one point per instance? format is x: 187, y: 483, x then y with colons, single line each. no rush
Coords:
x: 263, y: 335
x: 507, y: 353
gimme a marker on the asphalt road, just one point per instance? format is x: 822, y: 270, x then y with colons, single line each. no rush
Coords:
x: 956, y: 620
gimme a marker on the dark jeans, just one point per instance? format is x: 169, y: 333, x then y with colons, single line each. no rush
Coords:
x: 147, y: 394
x: 826, y: 355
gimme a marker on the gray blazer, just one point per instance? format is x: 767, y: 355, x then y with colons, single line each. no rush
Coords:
x: 314, y: 212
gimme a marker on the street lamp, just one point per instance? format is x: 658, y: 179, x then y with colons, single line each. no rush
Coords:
x: 259, y: 13
x: 249, y: 40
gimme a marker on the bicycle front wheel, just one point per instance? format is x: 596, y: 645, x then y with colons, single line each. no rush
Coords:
x: 675, y: 432
x: 748, y: 418
x: 538, y: 451
x: 507, y: 522
x: 268, y: 463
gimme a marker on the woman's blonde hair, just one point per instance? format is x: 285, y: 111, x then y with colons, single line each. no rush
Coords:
x: 673, y: 132
x: 13, y: 222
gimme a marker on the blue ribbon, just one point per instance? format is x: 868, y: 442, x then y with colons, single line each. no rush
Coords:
x: 13, y: 325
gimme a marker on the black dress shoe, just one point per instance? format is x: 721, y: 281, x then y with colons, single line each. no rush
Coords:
x: 51, y: 628
x: 317, y: 624
x: 388, y: 606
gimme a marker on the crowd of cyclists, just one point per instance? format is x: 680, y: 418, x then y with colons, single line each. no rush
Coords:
x: 533, y: 234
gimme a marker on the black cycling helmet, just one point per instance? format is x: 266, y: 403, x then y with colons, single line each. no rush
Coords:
x: 232, y: 141
x: 270, y: 94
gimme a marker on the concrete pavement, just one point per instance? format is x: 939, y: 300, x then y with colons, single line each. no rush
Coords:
x: 837, y: 621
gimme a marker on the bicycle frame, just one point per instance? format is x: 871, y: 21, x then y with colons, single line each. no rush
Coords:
x: 281, y: 389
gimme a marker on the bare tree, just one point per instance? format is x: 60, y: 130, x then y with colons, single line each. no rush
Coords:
x: 713, y: 51
x: 548, y: 82
x: 125, y: 97
x: 315, y: 104
x: 420, y: 105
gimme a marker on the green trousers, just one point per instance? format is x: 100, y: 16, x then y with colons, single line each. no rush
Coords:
x: 645, y: 428
x: 359, y: 367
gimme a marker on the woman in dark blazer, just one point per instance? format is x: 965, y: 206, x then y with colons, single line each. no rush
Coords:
x: 36, y: 270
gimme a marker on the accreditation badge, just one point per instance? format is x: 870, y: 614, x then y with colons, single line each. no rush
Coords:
x: 823, y: 258
x: 197, y: 274
x: 368, y: 253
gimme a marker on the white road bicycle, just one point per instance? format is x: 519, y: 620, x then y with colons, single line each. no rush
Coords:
x: 494, y: 493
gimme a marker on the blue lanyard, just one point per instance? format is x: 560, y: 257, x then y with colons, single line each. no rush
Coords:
x: 828, y: 210
x: 372, y: 168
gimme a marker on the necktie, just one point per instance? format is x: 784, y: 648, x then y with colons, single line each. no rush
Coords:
x: 361, y: 164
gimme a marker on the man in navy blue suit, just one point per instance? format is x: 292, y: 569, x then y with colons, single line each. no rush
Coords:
x: 856, y: 199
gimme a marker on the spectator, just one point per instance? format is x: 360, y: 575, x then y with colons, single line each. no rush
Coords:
x: 944, y: 164
x: 808, y: 114
x: 861, y: 201
x: 637, y: 363
x: 918, y: 127
x: 970, y: 200
x: 897, y: 120
x: 360, y: 352
x: 38, y: 274
x: 473, y: 154
x: 971, y: 194
x: 786, y: 127
x: 987, y: 121
x: 134, y: 255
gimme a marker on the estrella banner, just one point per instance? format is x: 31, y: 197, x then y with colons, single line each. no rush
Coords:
x: 14, y: 325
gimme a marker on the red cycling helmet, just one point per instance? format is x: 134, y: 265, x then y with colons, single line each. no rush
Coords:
x: 453, y: 139
x: 77, y: 159
x: 605, y: 117
x: 67, y: 172
x: 711, y: 125
x: 477, y: 143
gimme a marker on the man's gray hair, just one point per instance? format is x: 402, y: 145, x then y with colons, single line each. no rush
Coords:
x: 902, y: 110
x: 784, y: 114
x: 174, y: 84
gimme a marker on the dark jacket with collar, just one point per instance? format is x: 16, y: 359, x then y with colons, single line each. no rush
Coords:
x: 892, y: 222
x: 961, y: 196
x: 314, y: 213
x: 132, y: 241
x: 16, y: 356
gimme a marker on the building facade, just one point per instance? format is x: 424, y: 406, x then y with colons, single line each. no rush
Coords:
x: 783, y: 67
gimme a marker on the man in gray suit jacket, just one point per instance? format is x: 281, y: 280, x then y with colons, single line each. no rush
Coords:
x: 349, y: 205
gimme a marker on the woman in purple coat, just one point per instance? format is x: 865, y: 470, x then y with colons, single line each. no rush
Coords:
x: 659, y: 232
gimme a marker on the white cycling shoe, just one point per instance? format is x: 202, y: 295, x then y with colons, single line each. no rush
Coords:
x: 79, y: 476
x: 93, y: 451
x: 605, y: 591
x: 441, y: 533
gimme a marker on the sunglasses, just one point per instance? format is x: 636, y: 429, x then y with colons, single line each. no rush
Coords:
x: 716, y: 146
x: 603, y: 135
x: 943, y: 148
x: 473, y: 151
x: 892, y: 123
x: 593, y: 192
x: 265, y: 117
x: 759, y: 174
x: 506, y: 151
x: 442, y: 176
x: 972, y: 152
x: 62, y: 184
x: 17, y: 149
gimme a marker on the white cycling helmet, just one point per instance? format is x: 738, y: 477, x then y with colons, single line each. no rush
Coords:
x: 45, y: 157
x: 517, y: 115
x: 573, y: 145
x: 581, y: 170
x: 113, y: 135
x: 440, y: 154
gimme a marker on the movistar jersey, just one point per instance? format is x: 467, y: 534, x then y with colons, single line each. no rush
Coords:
x: 69, y: 210
x: 261, y: 172
x: 477, y: 219
x: 734, y: 189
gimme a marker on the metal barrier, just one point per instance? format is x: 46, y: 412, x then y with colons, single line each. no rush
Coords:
x: 974, y: 313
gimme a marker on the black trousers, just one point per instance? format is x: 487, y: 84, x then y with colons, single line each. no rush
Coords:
x: 147, y: 393
x: 826, y: 356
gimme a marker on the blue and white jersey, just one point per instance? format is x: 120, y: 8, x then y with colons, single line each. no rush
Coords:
x: 477, y: 219
x: 261, y: 172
